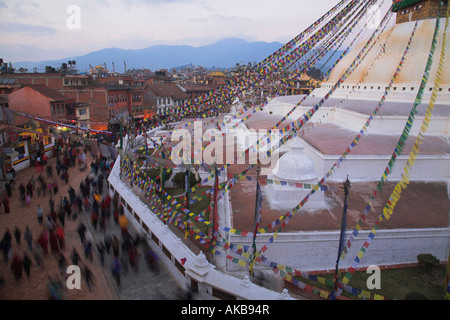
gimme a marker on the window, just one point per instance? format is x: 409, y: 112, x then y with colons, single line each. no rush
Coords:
x: 222, y: 294
x: 82, y: 111
x: 166, y: 252
x: 20, y: 150
x: 47, y: 140
x: 155, y: 239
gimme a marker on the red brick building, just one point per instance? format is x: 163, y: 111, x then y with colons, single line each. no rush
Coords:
x: 42, y: 101
x: 51, y: 80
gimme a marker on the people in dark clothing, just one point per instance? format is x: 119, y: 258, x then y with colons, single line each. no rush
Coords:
x: 26, y: 261
x: 5, y: 244
x: 6, y: 204
x: 16, y: 267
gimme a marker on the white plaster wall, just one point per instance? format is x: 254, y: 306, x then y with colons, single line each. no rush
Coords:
x: 317, y: 250
x: 356, y: 166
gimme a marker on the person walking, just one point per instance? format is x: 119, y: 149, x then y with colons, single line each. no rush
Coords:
x: 88, y: 276
x: 62, y: 264
x: 81, y: 231
x: 123, y: 223
x: 6, y: 204
x: 17, y: 235
x: 115, y: 244
x: 51, y: 203
x: 60, y: 236
x: 75, y: 257
x: 43, y: 242
x: 5, y: 244
x: 107, y: 241
x: 8, y: 189
x: 26, y: 262
x: 40, y: 214
x: 28, y: 236
x: 30, y: 188
x: 61, y: 215
x: 116, y: 269
x: 54, y: 242
x: 101, y: 252
x: 16, y: 267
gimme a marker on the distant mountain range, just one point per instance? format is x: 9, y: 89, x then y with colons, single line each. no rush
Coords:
x: 222, y: 54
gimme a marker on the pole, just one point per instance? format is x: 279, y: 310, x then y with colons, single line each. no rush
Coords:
x: 258, y: 204
x: 187, y: 185
x: 346, y: 187
x: 215, y: 217
x: 121, y: 135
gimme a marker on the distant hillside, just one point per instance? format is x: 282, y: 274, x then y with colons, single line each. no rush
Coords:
x: 223, y: 54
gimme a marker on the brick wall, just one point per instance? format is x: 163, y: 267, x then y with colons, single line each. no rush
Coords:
x: 30, y: 101
x: 52, y: 80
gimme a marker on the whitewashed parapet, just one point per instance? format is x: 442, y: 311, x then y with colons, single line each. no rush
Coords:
x: 210, y: 282
x: 317, y: 250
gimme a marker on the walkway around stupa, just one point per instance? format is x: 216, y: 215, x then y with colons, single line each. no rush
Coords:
x: 141, y: 285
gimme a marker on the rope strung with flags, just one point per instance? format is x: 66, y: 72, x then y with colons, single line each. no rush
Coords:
x: 388, y: 210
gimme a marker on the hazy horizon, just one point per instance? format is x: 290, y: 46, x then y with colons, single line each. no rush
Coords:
x: 51, y: 30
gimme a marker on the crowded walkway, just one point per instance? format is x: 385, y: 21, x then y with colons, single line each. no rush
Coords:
x: 55, y: 215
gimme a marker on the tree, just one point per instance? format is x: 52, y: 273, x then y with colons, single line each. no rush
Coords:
x: 155, y: 173
x: 180, y: 180
x: 315, y: 73
x: 427, y: 261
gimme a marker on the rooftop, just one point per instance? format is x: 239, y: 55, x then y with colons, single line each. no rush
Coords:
x: 168, y: 90
x: 48, y: 92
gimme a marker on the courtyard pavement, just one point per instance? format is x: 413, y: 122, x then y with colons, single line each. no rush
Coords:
x: 135, y: 285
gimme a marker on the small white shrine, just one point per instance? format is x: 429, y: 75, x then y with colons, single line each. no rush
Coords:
x: 292, y: 168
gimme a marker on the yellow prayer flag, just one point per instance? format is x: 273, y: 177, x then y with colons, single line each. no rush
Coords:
x: 365, y: 294
x: 324, y: 294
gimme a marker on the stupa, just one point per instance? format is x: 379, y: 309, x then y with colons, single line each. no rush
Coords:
x: 293, y: 170
x: 332, y: 130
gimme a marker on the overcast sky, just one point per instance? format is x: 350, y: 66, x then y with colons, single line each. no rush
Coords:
x: 34, y: 30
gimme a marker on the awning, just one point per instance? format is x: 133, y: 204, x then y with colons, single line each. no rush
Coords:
x: 13, y: 154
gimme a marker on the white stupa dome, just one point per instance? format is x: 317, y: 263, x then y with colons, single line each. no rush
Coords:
x: 376, y: 70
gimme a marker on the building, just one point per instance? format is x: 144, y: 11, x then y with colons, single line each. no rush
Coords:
x: 52, y: 80
x: 41, y: 101
x: 302, y: 85
x: 196, y: 90
x: 159, y: 77
x: 137, y: 109
x: 165, y: 98
x: 116, y: 79
x: 214, y: 79
x: 83, y: 115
